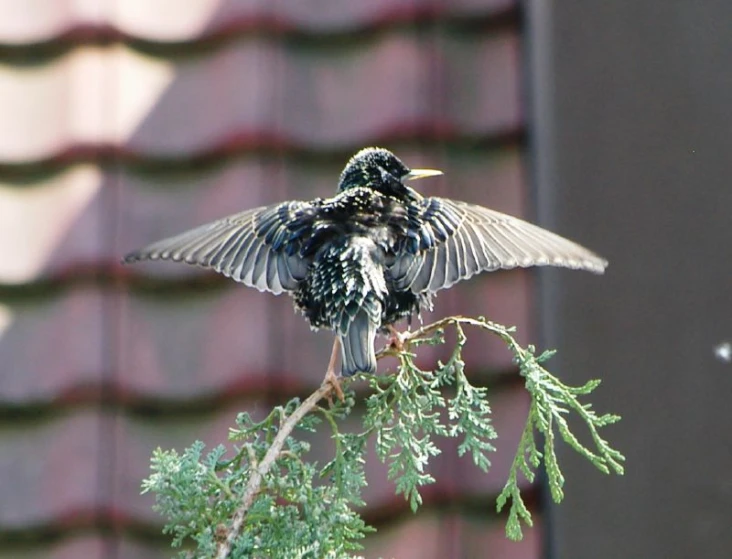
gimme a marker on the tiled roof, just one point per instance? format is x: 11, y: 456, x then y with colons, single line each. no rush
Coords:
x: 252, y: 92
x: 127, y: 121
x: 163, y: 21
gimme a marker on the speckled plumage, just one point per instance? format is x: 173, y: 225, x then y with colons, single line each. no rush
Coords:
x: 369, y: 256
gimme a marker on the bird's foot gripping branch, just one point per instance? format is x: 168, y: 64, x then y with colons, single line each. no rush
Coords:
x: 265, y: 497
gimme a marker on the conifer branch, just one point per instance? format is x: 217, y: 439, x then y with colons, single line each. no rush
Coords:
x: 269, y: 500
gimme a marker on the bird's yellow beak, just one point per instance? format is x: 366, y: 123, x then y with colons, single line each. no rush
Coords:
x: 421, y: 173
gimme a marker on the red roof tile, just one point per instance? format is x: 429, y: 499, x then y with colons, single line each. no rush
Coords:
x: 52, y: 347
x: 55, y: 222
x: 87, y: 547
x: 163, y: 20
x: 50, y: 470
x: 438, y: 535
x: 255, y: 91
x: 434, y: 534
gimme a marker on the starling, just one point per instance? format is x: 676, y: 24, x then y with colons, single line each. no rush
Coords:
x: 369, y: 256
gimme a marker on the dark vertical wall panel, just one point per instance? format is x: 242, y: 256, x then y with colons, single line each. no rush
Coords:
x: 632, y: 129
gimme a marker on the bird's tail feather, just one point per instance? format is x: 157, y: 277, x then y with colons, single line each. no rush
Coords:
x: 357, y: 346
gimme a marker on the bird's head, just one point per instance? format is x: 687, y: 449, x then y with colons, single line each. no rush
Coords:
x: 381, y: 170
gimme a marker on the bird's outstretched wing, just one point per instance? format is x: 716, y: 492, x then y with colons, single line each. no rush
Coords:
x: 448, y: 241
x: 259, y: 247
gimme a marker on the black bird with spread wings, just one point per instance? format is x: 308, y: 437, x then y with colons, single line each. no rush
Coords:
x: 369, y: 256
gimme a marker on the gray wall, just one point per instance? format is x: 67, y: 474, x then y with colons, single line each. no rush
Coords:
x: 631, y: 135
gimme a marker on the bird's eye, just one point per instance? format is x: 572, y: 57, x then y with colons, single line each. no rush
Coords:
x: 386, y: 176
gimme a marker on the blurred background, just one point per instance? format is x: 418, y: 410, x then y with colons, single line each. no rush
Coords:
x: 123, y: 121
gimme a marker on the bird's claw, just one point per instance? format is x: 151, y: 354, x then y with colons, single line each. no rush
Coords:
x: 335, y: 386
x: 397, y: 339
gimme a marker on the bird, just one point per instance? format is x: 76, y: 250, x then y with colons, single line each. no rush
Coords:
x: 371, y: 255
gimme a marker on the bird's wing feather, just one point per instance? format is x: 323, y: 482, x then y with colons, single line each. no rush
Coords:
x: 449, y: 241
x: 259, y: 247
